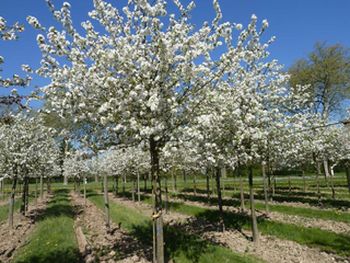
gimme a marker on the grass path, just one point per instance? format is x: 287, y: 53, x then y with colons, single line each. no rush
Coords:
x: 53, y: 240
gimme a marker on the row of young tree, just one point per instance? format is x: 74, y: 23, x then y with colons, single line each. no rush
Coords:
x: 142, y: 92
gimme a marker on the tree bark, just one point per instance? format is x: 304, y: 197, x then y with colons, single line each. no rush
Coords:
x: 133, y: 190
x: 106, y: 199
x: 304, y: 180
x: 208, y: 184
x: 348, y: 176
x: 252, y: 207
x: 318, y: 173
x: 185, y: 178
x: 84, y: 185
x: 331, y: 177
x: 166, y: 195
x: 36, y: 190
x: 23, y: 203
x: 41, y: 187
x: 241, y: 191
x: 116, y: 185
x: 194, y: 184
x: 138, y: 187
x: 157, y: 216
x: 218, y: 187
x: 12, y: 201
x: 266, y: 196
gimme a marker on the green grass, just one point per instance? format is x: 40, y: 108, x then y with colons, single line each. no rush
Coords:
x: 180, y: 246
x: 53, y: 239
x: 313, y: 237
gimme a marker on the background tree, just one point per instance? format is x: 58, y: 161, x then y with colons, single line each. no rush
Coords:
x: 327, y: 72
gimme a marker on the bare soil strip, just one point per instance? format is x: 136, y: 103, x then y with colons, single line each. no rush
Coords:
x: 11, y: 240
x: 270, y: 249
x: 97, y: 243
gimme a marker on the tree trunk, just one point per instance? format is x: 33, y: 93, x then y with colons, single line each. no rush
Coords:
x: 166, y: 195
x: 138, y: 187
x: 24, y: 189
x: 145, y: 183
x: 326, y: 171
x: 218, y: 187
x: 304, y: 180
x: 124, y: 183
x: 241, y: 191
x: 331, y: 177
x: 133, y: 190
x: 41, y: 187
x: 173, y: 176
x: 96, y: 178
x: 12, y: 201
x: 318, y: 173
x: 194, y: 184
x: 252, y: 207
x: 26, y: 202
x: 157, y: 216
x: 48, y: 181
x: 208, y: 184
x: 266, y: 196
x: 106, y: 199
x: 289, y: 185
x: 223, y: 176
x: 84, y: 185
x: 36, y: 190
x: 348, y: 176
x: 78, y: 186
x: 185, y: 178
x: 116, y: 185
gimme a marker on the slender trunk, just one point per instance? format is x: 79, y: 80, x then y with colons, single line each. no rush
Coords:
x: 274, y: 187
x: 348, y: 176
x: 84, y: 185
x: 218, y: 187
x: 36, y: 190
x: 65, y: 180
x: 304, y: 180
x: 241, y: 191
x: 96, y: 178
x: 115, y: 185
x: 41, y: 187
x: 266, y: 196
x: 326, y: 171
x: 252, y: 207
x: 223, y: 175
x: 173, y: 179
x: 138, y: 187
x: 23, y: 204
x: 106, y: 200
x: 212, y: 181
x: 48, y: 181
x: 124, y: 183
x: 331, y: 177
x: 78, y: 186
x: 133, y: 190
x: 185, y: 178
x: 208, y: 185
x: 166, y: 195
x: 318, y: 173
x: 12, y: 201
x: 26, y: 203
x: 145, y: 183
x: 289, y: 185
x: 194, y: 184
x: 157, y: 216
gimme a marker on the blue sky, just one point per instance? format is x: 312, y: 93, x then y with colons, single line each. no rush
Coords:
x: 297, y: 24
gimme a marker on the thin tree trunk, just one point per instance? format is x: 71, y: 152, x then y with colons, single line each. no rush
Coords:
x: 318, y: 173
x: 166, y: 195
x: 208, y: 185
x: 218, y: 187
x: 157, y: 209
x: 194, y: 184
x: 241, y: 191
x: 173, y: 179
x: 304, y: 180
x: 124, y: 183
x: 145, y: 183
x: 23, y: 204
x: 84, y: 182
x: 331, y: 177
x: 252, y: 207
x: 289, y: 185
x: 106, y: 199
x: 263, y: 168
x: 26, y: 203
x: 223, y: 176
x: 12, y: 201
x: 348, y: 176
x: 133, y: 190
x: 138, y: 187
x: 36, y: 190
x: 41, y: 187
x: 185, y: 178
x: 326, y: 171
x: 116, y: 185
x: 48, y: 181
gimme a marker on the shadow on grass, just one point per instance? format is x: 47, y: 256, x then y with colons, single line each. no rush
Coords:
x: 56, y: 248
